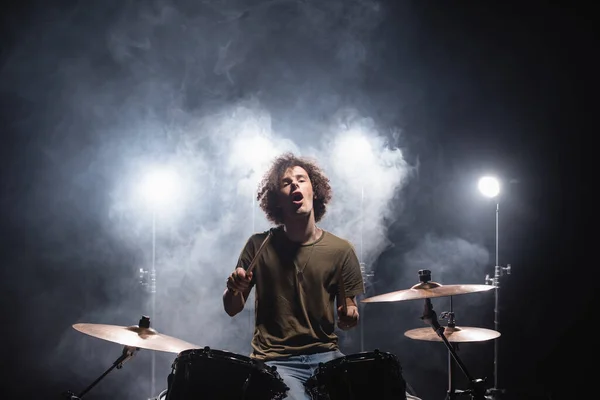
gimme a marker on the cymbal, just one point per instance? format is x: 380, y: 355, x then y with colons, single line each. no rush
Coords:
x: 134, y: 336
x: 426, y: 290
x: 453, y: 334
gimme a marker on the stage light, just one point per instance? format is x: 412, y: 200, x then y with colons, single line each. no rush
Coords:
x: 489, y: 186
x: 160, y: 187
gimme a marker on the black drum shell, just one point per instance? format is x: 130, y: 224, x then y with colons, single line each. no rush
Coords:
x: 216, y: 374
x: 366, y: 375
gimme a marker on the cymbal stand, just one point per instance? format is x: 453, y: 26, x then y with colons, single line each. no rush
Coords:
x: 477, y: 392
x: 452, y: 391
x: 128, y: 352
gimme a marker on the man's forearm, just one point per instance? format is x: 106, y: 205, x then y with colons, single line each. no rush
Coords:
x: 232, y: 303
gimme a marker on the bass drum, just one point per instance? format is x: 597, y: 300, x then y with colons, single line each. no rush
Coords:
x: 211, y: 374
x: 367, y: 375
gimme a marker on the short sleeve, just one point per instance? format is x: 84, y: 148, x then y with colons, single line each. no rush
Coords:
x: 351, y: 273
x: 246, y: 256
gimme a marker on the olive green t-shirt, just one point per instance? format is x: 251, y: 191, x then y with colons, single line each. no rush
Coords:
x: 296, y: 288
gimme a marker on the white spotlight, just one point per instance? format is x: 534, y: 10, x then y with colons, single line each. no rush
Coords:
x: 159, y: 187
x: 489, y: 186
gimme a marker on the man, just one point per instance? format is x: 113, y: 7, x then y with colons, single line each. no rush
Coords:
x: 299, y: 271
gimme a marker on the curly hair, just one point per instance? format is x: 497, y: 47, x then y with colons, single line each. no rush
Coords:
x: 270, y: 183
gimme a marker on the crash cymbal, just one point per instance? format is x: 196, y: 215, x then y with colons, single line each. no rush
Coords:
x: 134, y: 336
x: 454, y: 334
x: 425, y: 290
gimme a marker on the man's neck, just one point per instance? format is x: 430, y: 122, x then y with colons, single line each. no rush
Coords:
x: 302, y: 232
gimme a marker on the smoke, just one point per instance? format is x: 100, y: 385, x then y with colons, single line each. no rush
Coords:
x: 213, y: 90
x: 451, y: 260
x: 197, y: 253
x: 368, y: 174
x: 194, y: 255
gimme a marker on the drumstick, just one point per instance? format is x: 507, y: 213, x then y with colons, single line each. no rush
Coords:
x: 342, y: 291
x: 255, y: 259
x: 260, y: 249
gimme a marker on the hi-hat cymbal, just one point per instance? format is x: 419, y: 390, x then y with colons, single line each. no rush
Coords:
x: 135, y: 336
x: 426, y: 290
x: 454, y: 334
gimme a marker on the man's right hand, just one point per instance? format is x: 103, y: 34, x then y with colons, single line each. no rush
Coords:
x: 239, y: 280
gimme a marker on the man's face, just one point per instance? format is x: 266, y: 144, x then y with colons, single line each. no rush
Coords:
x: 295, y: 193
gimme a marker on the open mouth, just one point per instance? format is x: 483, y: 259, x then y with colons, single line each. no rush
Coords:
x: 297, y: 198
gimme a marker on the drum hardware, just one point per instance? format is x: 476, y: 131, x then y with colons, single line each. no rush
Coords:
x: 128, y: 353
x: 427, y: 289
x: 476, y: 391
x: 141, y: 336
x: 133, y: 338
x: 453, y: 333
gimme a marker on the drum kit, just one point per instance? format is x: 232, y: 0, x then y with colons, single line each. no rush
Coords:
x: 206, y: 373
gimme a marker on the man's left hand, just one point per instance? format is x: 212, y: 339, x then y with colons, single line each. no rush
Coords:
x: 347, y: 320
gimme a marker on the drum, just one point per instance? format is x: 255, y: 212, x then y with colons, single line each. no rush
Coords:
x: 367, y: 375
x: 214, y: 374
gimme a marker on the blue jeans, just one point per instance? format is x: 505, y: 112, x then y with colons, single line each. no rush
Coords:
x: 296, y: 370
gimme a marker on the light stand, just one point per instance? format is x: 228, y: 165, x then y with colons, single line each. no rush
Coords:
x: 159, y: 187
x: 366, y: 275
x: 366, y: 279
x: 153, y: 298
x: 499, y: 271
x: 148, y: 280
